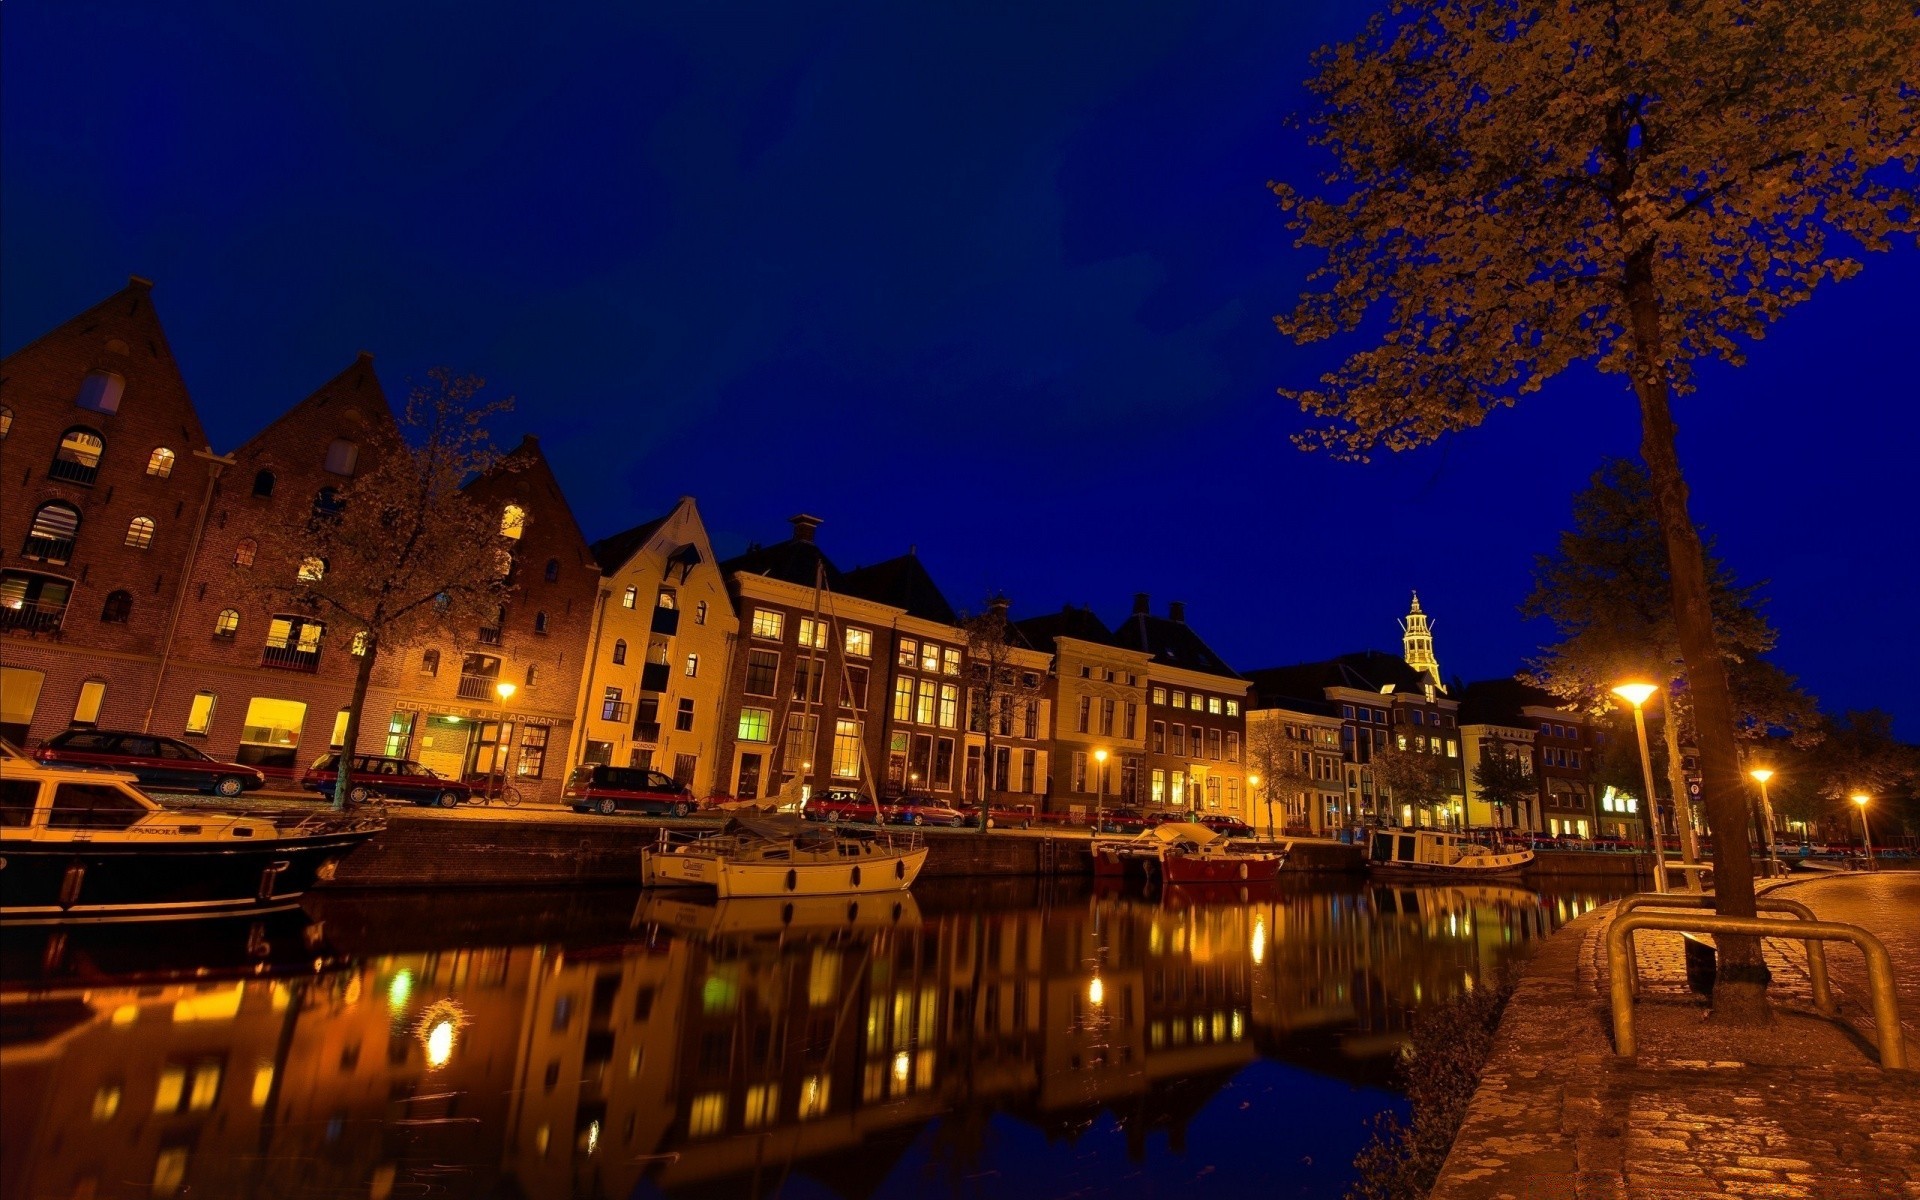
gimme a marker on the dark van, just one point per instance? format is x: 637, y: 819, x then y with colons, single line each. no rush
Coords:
x: 596, y: 787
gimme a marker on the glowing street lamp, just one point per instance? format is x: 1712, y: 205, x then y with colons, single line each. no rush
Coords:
x: 1861, y: 799
x: 1637, y: 694
x: 1760, y: 776
x: 1100, y: 789
x: 505, y: 690
x: 1253, y: 783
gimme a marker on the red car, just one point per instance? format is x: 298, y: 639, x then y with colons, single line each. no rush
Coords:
x: 924, y: 810
x: 161, y: 763
x: 596, y: 787
x: 1228, y: 825
x: 841, y: 804
x: 393, y: 778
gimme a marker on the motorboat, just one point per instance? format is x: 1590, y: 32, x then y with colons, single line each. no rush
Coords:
x: 783, y: 856
x: 1435, y: 853
x: 1185, y: 852
x: 88, y: 845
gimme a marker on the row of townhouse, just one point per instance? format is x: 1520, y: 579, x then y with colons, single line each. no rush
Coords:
x: 771, y: 673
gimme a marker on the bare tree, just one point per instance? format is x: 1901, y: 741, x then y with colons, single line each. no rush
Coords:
x: 402, y: 553
x: 1001, y: 691
x: 1284, y: 764
x: 1412, y: 777
x: 1518, y: 189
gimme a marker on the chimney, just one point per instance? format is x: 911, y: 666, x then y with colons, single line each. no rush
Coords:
x: 999, y: 605
x: 803, y: 527
x: 1177, y: 611
x: 1140, y: 603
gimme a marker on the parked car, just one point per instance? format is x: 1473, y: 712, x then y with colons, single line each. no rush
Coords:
x: 394, y: 778
x: 161, y: 763
x: 841, y: 804
x: 1001, y: 816
x: 604, y: 789
x: 1128, y: 820
x: 924, y: 810
x: 1223, y: 823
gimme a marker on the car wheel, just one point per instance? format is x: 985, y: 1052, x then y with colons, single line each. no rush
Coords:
x: 358, y: 795
x: 679, y: 810
x: 918, y: 819
x: 990, y: 822
x: 448, y: 799
x: 1026, y: 824
x: 229, y: 785
x: 833, y: 818
x: 608, y: 807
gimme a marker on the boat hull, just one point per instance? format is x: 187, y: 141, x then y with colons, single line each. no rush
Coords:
x: 1407, y: 870
x: 872, y: 873
x: 1234, y: 868
x: 79, y: 881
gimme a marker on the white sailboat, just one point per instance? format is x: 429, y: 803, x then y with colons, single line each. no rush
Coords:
x: 784, y: 857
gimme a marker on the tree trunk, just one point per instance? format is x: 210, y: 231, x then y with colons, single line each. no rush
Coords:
x: 986, y: 763
x: 1740, y: 985
x: 350, y: 740
x: 1677, y: 779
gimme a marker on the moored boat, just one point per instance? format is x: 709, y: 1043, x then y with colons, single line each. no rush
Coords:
x: 783, y: 856
x: 86, y: 845
x: 1185, y: 852
x: 1435, y: 853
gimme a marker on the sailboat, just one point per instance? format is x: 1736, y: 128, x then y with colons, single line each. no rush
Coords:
x: 783, y: 856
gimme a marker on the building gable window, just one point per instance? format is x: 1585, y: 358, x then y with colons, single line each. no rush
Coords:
x: 50, y: 539
x: 620, y: 652
x: 118, y: 609
x: 160, y: 462
x: 553, y: 570
x: 630, y: 597
x: 539, y: 622
x: 101, y: 391
x: 263, y: 482
x: 327, y: 503
x: 342, y: 456
x: 140, y: 533
x: 430, y: 663
x: 243, y: 552
x: 78, y: 458
x: 227, y: 624
x: 513, y: 521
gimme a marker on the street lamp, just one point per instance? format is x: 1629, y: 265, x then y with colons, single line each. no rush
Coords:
x: 1100, y: 788
x: 1253, y: 782
x: 1861, y: 799
x: 1636, y: 694
x: 505, y: 691
x: 1760, y: 776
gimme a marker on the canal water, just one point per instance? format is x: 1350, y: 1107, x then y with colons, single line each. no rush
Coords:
x: 999, y: 1039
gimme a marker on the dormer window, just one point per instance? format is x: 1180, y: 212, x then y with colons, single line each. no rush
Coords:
x: 341, y: 456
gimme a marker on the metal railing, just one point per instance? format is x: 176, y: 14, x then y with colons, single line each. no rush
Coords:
x: 1620, y: 967
x: 289, y: 658
x: 55, y: 550
x: 477, y: 687
x: 66, y: 470
x: 32, y: 616
x: 1816, y: 953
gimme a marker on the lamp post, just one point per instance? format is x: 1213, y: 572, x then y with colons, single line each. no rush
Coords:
x: 1760, y: 776
x: 1100, y: 788
x: 1866, y: 836
x: 1636, y: 694
x: 1253, y: 781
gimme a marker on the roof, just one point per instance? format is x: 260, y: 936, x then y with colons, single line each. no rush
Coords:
x: 1171, y: 643
x: 1499, y: 701
x: 1268, y: 696
x: 613, y: 552
x: 1367, y: 671
x: 793, y: 561
x: 903, y: 583
x: 1082, y: 624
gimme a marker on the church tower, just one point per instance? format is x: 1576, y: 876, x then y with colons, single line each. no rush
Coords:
x: 1416, y: 641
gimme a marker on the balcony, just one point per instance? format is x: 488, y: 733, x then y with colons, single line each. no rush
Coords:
x: 666, y: 620
x: 647, y: 731
x: 290, y: 658
x: 616, y: 710
x: 30, y: 616
x: 490, y: 637
x: 478, y: 687
x: 654, y: 676
x: 68, y: 471
x: 48, y: 550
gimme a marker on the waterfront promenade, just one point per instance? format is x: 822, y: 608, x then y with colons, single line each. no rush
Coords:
x: 1797, y: 1109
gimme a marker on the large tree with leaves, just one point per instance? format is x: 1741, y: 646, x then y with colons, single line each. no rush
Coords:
x: 1521, y: 188
x: 402, y: 553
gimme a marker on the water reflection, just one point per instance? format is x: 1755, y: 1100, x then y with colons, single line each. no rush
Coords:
x: 737, y: 1048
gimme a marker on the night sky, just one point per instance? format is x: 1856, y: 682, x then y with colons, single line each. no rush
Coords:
x: 997, y: 285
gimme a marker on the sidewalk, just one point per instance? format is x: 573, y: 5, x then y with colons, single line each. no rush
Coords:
x: 1798, y: 1109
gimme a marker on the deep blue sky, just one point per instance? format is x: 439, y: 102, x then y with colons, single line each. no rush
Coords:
x: 995, y: 284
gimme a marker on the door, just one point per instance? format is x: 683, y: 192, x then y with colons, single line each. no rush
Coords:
x: 142, y: 757
x: 187, y: 769
x: 749, y: 785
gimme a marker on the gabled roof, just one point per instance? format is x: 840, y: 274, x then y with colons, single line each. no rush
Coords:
x: 525, y: 470
x: 1171, y: 643
x: 1367, y: 671
x: 356, y: 383
x: 1080, y: 623
x: 903, y: 583
x: 1499, y: 701
x: 613, y: 552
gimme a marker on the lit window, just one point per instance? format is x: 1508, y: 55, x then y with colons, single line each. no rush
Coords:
x: 312, y: 570
x: 200, y: 713
x: 513, y: 521
x: 6, y: 421
x: 1199, y: 702
x: 846, y: 749
x: 358, y: 646
x: 243, y: 552
x: 51, y: 537
x: 700, y: 613
x: 860, y: 643
x: 86, y: 711
x: 707, y: 1115
x: 923, y: 704
x: 762, y: 1102
x: 693, y: 665
x: 949, y: 705
x: 1233, y: 708
x: 813, y: 633
x: 1179, y: 699
x: 341, y: 456
x: 101, y: 391
x: 950, y: 661
x: 929, y: 657
x: 619, y: 652
x: 227, y: 623
x: 630, y: 597
x: 430, y: 663
x: 813, y: 1096
x: 1213, y: 705
x: 78, y: 458
x: 756, y: 724
x: 140, y: 533
x: 160, y: 462
x: 1159, y: 695
x: 909, y: 653
x: 339, y: 736
x: 769, y: 624
x: 902, y: 698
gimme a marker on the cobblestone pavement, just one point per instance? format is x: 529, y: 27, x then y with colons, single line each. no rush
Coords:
x: 1796, y: 1109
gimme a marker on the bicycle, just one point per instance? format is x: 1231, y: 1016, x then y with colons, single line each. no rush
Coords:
x: 495, y: 789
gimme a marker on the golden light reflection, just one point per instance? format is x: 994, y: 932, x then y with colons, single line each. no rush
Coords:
x: 902, y: 1065
x: 399, y: 991
x: 438, y: 1030
x: 1096, y: 992
x: 440, y: 1044
x: 1259, y: 943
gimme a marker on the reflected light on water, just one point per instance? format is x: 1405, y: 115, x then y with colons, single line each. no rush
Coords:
x: 901, y: 1065
x: 1096, y: 992
x: 399, y: 992
x: 440, y: 1044
x: 1259, y: 944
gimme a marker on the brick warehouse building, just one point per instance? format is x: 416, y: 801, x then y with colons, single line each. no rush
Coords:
x: 1196, y: 709
x: 103, y: 478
